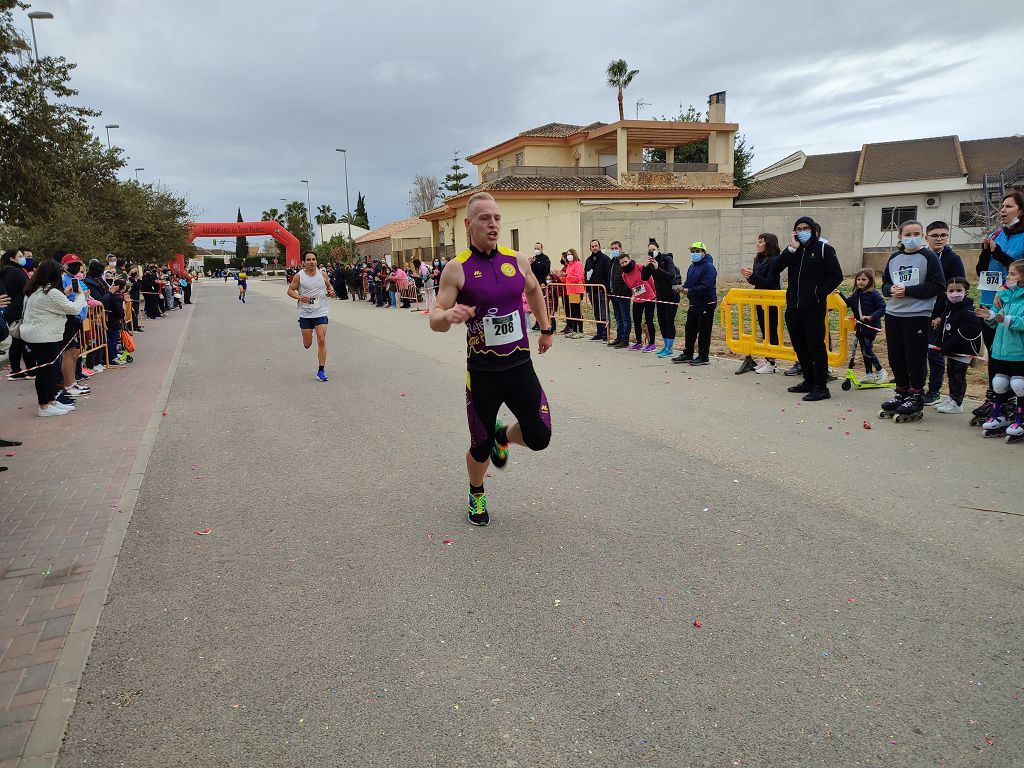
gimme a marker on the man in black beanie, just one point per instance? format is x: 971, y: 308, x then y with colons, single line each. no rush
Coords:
x: 814, y: 272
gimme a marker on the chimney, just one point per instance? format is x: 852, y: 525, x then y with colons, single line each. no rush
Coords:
x: 716, y: 107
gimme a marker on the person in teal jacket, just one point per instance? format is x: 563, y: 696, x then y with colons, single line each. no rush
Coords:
x: 997, y: 253
x: 1006, y: 358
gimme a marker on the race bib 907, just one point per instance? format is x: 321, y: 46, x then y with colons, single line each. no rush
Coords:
x: 503, y: 329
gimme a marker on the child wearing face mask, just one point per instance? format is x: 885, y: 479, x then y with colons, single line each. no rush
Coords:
x: 912, y: 279
x: 1007, y: 356
x: 643, y: 292
x: 867, y: 306
x: 113, y: 304
x: 958, y: 338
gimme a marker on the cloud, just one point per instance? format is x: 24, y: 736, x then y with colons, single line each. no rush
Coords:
x: 404, y: 71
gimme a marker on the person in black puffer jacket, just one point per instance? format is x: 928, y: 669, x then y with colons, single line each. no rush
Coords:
x: 619, y: 294
x: 661, y: 267
x: 959, y: 338
x: 814, y: 272
x: 13, y: 279
x: 760, y: 276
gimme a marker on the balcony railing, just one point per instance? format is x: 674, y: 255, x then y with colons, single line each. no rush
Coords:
x: 558, y: 171
x: 673, y: 167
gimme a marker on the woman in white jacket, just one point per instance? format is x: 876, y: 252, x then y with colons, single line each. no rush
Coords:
x: 42, y: 327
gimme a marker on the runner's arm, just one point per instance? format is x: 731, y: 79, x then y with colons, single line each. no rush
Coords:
x: 293, y: 290
x: 446, y: 312
x: 330, y: 290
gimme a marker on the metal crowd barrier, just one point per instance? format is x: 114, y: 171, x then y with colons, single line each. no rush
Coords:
x: 556, y: 298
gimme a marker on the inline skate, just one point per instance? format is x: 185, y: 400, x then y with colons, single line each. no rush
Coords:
x: 912, y: 407
x: 980, y: 414
x: 1015, y: 431
x: 890, y: 406
x: 1001, y: 417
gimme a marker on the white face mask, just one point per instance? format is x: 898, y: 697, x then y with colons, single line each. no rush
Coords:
x: 569, y: 257
x: 1011, y: 282
x: 1014, y: 223
x: 654, y: 254
x: 536, y: 252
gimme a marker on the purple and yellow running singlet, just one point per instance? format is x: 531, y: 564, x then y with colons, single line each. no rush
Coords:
x: 496, y: 336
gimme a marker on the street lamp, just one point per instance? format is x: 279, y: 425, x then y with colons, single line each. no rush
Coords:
x: 309, y: 208
x: 41, y: 15
x: 348, y: 208
x: 108, y: 127
x: 137, y: 173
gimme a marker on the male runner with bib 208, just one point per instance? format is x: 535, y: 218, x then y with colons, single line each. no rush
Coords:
x: 311, y: 289
x: 483, y: 287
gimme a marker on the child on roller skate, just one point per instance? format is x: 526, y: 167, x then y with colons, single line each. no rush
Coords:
x: 867, y: 306
x: 958, y: 339
x: 1007, y: 356
x: 912, y: 278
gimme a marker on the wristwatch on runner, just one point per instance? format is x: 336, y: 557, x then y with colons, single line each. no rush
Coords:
x: 549, y: 332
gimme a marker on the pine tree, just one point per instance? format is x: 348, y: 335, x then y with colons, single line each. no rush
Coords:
x: 454, y: 181
x: 359, y: 218
x: 241, y: 246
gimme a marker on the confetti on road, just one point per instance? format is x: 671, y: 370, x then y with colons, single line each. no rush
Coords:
x: 199, y: 477
x: 696, y: 623
x: 448, y: 541
x: 203, y: 532
x: 851, y: 600
x: 195, y: 467
x: 989, y: 740
x: 867, y: 425
x: 11, y: 453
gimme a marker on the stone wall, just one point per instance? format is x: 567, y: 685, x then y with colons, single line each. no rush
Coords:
x: 729, y: 233
x: 375, y: 249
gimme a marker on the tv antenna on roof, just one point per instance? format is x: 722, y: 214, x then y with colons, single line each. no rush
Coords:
x: 640, y: 104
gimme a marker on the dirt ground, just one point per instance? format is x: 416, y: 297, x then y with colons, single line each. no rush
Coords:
x: 977, y: 380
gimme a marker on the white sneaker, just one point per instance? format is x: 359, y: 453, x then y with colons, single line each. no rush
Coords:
x: 51, y: 411
x: 949, y: 406
x: 98, y: 369
x: 881, y: 377
x: 77, y: 391
x: 63, y: 406
x: 765, y: 367
x: 869, y: 378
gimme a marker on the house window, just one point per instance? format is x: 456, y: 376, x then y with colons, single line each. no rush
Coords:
x: 515, y: 239
x: 892, y: 218
x: 972, y: 215
x: 521, y: 158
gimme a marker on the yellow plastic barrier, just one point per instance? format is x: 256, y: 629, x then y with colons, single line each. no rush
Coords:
x: 93, y: 336
x: 739, y: 322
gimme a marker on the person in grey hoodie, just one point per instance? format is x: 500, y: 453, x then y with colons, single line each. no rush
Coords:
x: 911, y: 281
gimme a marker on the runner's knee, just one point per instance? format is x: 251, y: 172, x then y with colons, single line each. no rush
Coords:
x: 536, y: 436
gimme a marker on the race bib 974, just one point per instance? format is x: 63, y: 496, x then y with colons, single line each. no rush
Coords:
x: 503, y: 329
x: 990, y: 281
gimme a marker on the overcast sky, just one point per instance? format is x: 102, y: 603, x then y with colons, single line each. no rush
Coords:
x: 232, y: 103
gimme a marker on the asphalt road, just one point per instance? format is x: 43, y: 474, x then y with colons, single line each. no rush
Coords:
x: 342, y: 612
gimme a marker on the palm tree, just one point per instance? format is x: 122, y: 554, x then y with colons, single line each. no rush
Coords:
x: 325, y: 215
x: 620, y: 76
x: 272, y: 215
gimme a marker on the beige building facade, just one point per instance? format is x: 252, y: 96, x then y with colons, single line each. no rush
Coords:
x: 545, y: 179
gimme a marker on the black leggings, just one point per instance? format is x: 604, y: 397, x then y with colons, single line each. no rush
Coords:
x: 46, y: 377
x: 519, y: 389
x: 866, y: 342
x: 667, y: 320
x: 643, y: 310
x: 956, y: 374
x: 698, y: 330
x: 908, y: 350
x: 18, y: 351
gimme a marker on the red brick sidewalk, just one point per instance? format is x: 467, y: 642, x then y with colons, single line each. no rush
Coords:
x: 70, y: 479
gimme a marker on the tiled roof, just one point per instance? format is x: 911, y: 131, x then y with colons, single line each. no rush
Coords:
x: 991, y: 155
x: 524, y: 183
x: 559, y: 130
x: 820, y: 175
x: 385, y: 232
x: 914, y: 160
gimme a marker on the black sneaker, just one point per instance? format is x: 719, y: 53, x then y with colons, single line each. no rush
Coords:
x: 682, y: 357
x: 931, y: 398
x: 794, y: 371
x: 818, y: 393
x: 65, y: 398
x: 620, y: 345
x: 700, y: 361
x: 746, y: 366
x: 802, y: 387
x: 478, y: 510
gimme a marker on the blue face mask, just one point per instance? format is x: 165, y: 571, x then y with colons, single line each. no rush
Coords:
x: 695, y: 257
x: 615, y: 253
x: 803, y: 235
x: 20, y: 261
x: 912, y: 243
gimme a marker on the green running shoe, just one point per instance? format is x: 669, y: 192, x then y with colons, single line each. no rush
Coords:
x: 499, y: 452
x: 478, y: 509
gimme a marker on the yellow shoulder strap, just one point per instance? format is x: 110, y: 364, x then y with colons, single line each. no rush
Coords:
x: 506, y: 251
x: 464, y: 256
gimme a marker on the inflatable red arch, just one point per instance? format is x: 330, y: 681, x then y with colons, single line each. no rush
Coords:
x: 242, y: 229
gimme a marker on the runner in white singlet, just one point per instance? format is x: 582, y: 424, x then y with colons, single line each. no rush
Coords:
x: 311, y: 289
